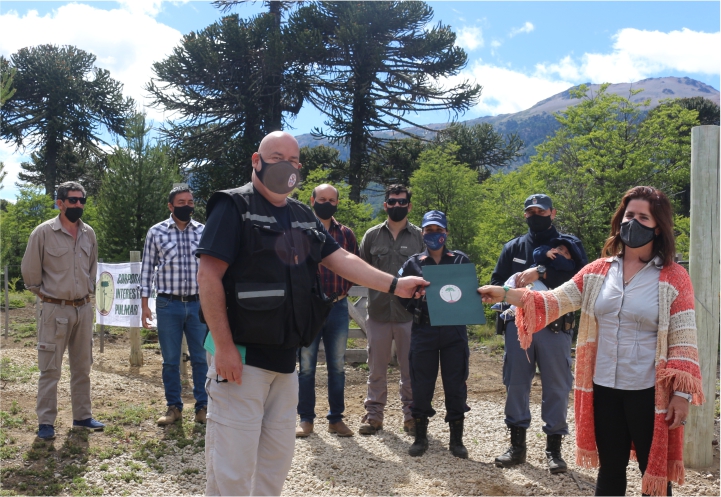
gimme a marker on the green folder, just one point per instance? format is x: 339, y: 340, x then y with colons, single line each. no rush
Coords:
x: 452, y: 295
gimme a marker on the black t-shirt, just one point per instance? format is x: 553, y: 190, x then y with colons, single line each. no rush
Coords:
x: 222, y: 239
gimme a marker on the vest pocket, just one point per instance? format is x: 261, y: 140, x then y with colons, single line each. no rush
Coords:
x: 261, y: 314
x: 46, y: 356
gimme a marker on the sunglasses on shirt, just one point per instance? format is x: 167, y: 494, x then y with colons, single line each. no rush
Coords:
x: 75, y: 200
x: 399, y: 201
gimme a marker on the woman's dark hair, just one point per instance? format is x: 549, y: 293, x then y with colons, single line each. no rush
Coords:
x: 664, y: 244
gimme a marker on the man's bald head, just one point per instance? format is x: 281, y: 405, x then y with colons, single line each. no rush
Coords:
x: 326, y: 191
x: 280, y: 145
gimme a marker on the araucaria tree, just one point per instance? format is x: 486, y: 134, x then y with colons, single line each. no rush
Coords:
x: 60, y: 96
x: 227, y: 86
x: 378, y: 64
x: 134, y: 192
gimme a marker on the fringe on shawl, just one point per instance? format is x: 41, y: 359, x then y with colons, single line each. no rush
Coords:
x: 654, y: 485
x: 676, y: 472
x: 682, y: 381
x: 586, y: 458
x: 526, y: 319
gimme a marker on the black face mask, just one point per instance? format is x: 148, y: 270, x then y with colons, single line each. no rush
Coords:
x: 183, y: 212
x: 538, y: 223
x: 73, y: 213
x: 279, y: 177
x: 634, y: 234
x: 397, y: 213
x: 324, y: 210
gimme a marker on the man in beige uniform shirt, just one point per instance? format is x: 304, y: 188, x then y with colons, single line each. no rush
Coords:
x: 387, y: 246
x: 59, y: 265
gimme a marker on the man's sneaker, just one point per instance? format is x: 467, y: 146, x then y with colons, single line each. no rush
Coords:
x: 340, y: 429
x: 174, y: 414
x: 201, y: 415
x: 89, y: 424
x: 370, y: 427
x: 304, y: 430
x: 409, y: 427
x: 46, y: 432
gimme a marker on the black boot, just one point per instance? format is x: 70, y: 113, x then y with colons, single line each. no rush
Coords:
x: 516, y: 454
x: 556, y: 464
x: 420, y: 445
x: 456, y: 444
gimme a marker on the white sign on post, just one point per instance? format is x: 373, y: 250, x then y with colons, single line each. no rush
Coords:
x: 117, y: 295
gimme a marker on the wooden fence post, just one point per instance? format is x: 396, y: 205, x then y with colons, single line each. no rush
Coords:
x: 136, y: 353
x: 7, y: 303
x: 704, y: 262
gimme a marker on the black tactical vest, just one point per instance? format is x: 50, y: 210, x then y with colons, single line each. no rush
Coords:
x: 272, y: 289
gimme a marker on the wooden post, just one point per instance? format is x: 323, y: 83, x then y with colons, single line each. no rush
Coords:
x: 7, y: 303
x: 704, y: 259
x: 102, y: 329
x: 136, y: 353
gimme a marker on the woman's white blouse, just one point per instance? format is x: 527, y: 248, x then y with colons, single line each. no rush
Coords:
x: 628, y: 328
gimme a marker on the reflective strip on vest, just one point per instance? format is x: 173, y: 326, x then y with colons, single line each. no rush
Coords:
x: 302, y: 225
x: 259, y: 218
x: 261, y: 293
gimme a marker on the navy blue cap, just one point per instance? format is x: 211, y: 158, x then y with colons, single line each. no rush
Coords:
x: 435, y: 217
x: 538, y: 200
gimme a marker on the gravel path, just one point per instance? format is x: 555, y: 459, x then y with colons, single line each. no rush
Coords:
x: 323, y: 464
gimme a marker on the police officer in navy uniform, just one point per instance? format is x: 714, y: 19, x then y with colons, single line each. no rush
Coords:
x: 429, y: 343
x: 551, y: 347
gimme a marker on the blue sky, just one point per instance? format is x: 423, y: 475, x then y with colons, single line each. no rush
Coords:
x: 520, y: 52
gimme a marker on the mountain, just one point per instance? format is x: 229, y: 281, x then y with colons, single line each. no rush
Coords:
x: 538, y: 122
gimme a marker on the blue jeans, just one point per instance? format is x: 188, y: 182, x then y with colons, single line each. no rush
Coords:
x: 174, y: 317
x: 335, y: 341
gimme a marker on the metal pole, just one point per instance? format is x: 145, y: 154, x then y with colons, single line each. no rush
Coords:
x: 7, y: 303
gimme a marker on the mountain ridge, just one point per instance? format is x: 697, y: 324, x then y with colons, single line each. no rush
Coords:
x: 538, y: 122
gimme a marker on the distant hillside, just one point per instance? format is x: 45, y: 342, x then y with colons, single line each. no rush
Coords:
x: 535, y: 124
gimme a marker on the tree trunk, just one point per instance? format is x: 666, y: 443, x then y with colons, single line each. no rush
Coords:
x: 275, y: 67
x: 51, y: 164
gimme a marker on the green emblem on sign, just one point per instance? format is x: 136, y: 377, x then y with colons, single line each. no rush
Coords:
x: 105, y: 293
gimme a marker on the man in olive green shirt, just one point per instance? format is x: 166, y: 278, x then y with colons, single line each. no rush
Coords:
x: 59, y: 265
x: 386, y: 247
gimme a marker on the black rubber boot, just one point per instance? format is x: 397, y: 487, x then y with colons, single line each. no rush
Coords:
x: 556, y: 464
x: 456, y: 444
x: 516, y: 454
x: 420, y: 445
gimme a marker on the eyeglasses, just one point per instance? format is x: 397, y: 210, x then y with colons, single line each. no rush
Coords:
x: 399, y: 201
x: 75, y: 200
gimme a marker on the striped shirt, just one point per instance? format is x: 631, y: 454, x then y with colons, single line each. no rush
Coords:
x: 169, y: 260
x: 331, y: 282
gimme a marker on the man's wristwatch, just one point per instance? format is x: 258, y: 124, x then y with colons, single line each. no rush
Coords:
x: 392, y: 289
x: 541, y: 270
x: 684, y: 395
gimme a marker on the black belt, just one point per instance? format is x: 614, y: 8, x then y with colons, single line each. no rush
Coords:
x: 182, y: 298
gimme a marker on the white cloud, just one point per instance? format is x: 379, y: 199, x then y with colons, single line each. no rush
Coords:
x: 469, y: 37
x: 12, y: 161
x: 526, y: 28
x: 638, y: 54
x: 126, y: 40
x: 506, y: 91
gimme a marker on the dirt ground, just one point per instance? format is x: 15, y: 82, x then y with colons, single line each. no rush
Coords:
x: 135, y: 456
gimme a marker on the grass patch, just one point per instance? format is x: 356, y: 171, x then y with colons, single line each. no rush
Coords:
x: 10, y: 371
x: 12, y: 419
x: 106, y: 453
x: 363, y: 366
x: 151, y: 346
x: 190, y: 471
x: 25, y: 330
x: 129, y: 414
x: 7, y: 452
x: 352, y: 343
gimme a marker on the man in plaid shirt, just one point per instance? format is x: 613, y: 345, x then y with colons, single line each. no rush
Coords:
x: 335, y: 330
x: 169, y: 261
